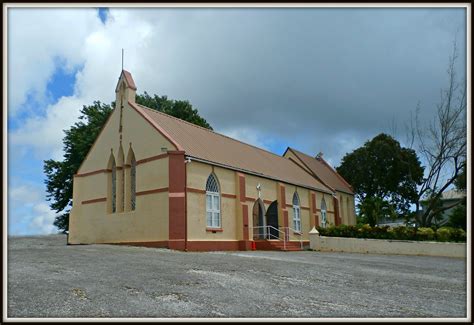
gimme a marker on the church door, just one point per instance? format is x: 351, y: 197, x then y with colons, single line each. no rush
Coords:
x: 258, y: 220
x: 272, y: 219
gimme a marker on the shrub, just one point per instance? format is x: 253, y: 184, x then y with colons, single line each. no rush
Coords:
x: 443, y: 234
x: 397, y: 233
x: 425, y: 234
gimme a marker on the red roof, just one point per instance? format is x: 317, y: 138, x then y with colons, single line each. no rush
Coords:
x: 322, y: 170
x: 214, y: 148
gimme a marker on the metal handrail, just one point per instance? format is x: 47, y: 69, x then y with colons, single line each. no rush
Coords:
x: 288, y: 235
x: 269, y: 234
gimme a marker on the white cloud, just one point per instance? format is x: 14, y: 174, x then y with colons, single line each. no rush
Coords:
x: 247, y: 135
x: 42, y: 221
x: 24, y: 194
x: 38, y: 37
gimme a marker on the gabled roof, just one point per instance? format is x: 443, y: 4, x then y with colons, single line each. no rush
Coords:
x: 127, y: 76
x: 322, y: 170
x: 218, y: 149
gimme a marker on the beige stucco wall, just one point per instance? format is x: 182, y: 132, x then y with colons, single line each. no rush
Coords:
x: 92, y: 222
x: 231, y: 214
x: 196, y: 176
x: 347, y: 210
x: 377, y: 246
x: 145, y: 140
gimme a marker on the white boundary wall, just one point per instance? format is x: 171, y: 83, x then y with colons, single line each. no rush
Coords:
x: 382, y: 246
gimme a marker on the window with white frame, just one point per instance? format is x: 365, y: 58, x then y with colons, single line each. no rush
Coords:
x: 323, y: 213
x: 296, y: 212
x: 213, y: 203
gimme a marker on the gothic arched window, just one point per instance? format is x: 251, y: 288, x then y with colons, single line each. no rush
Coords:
x: 213, y: 203
x: 296, y: 212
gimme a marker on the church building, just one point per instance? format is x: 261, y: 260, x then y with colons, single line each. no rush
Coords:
x: 154, y: 180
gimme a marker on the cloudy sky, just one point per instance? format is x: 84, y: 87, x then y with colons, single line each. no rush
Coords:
x: 316, y: 79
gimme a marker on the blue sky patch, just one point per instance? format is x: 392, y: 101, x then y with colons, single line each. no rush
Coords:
x: 103, y: 13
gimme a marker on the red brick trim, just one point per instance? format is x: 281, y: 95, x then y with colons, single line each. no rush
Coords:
x: 313, y: 201
x: 244, y: 245
x: 153, y: 244
x: 267, y: 201
x: 155, y: 126
x: 212, y: 245
x: 145, y: 160
x: 195, y: 190
x: 99, y: 171
x: 242, y: 187
x: 156, y: 190
x: 301, y: 207
x: 327, y: 211
x: 101, y: 199
x: 282, y: 196
x: 245, y: 219
x: 177, y: 200
x: 178, y: 244
x: 119, y: 167
x: 214, y: 230
x: 248, y: 198
x: 285, y: 218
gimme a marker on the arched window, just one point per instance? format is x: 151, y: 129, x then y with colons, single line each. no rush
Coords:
x: 114, y: 187
x: 133, y: 183
x: 296, y: 212
x: 130, y: 181
x: 323, y: 213
x: 120, y: 181
x: 213, y: 203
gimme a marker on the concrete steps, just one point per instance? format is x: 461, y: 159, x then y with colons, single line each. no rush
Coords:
x: 277, y: 245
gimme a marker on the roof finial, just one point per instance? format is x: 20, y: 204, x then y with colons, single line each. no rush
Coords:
x: 122, y: 59
x: 319, y: 155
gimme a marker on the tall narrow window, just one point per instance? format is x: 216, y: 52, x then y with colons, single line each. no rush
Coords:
x: 296, y: 212
x: 323, y: 213
x: 120, y: 181
x: 213, y: 203
x: 133, y: 182
x: 114, y: 187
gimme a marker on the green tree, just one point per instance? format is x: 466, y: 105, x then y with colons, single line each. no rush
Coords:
x: 375, y: 209
x: 382, y: 169
x: 79, y: 139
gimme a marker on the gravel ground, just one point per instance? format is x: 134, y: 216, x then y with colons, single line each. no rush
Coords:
x: 47, y: 278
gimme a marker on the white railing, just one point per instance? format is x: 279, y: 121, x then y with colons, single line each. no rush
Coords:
x: 289, y: 237
x: 265, y: 232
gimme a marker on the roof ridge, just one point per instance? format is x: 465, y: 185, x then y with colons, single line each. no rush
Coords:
x: 325, y: 163
x: 312, y: 172
x: 211, y: 131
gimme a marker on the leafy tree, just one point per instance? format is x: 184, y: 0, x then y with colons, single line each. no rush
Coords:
x: 375, y: 209
x: 382, y: 169
x: 79, y: 139
x: 181, y: 109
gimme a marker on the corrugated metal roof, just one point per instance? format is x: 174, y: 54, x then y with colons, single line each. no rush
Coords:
x: 324, y: 171
x: 210, y: 146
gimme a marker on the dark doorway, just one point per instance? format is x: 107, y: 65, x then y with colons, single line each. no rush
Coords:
x: 272, y: 220
x: 258, y: 220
